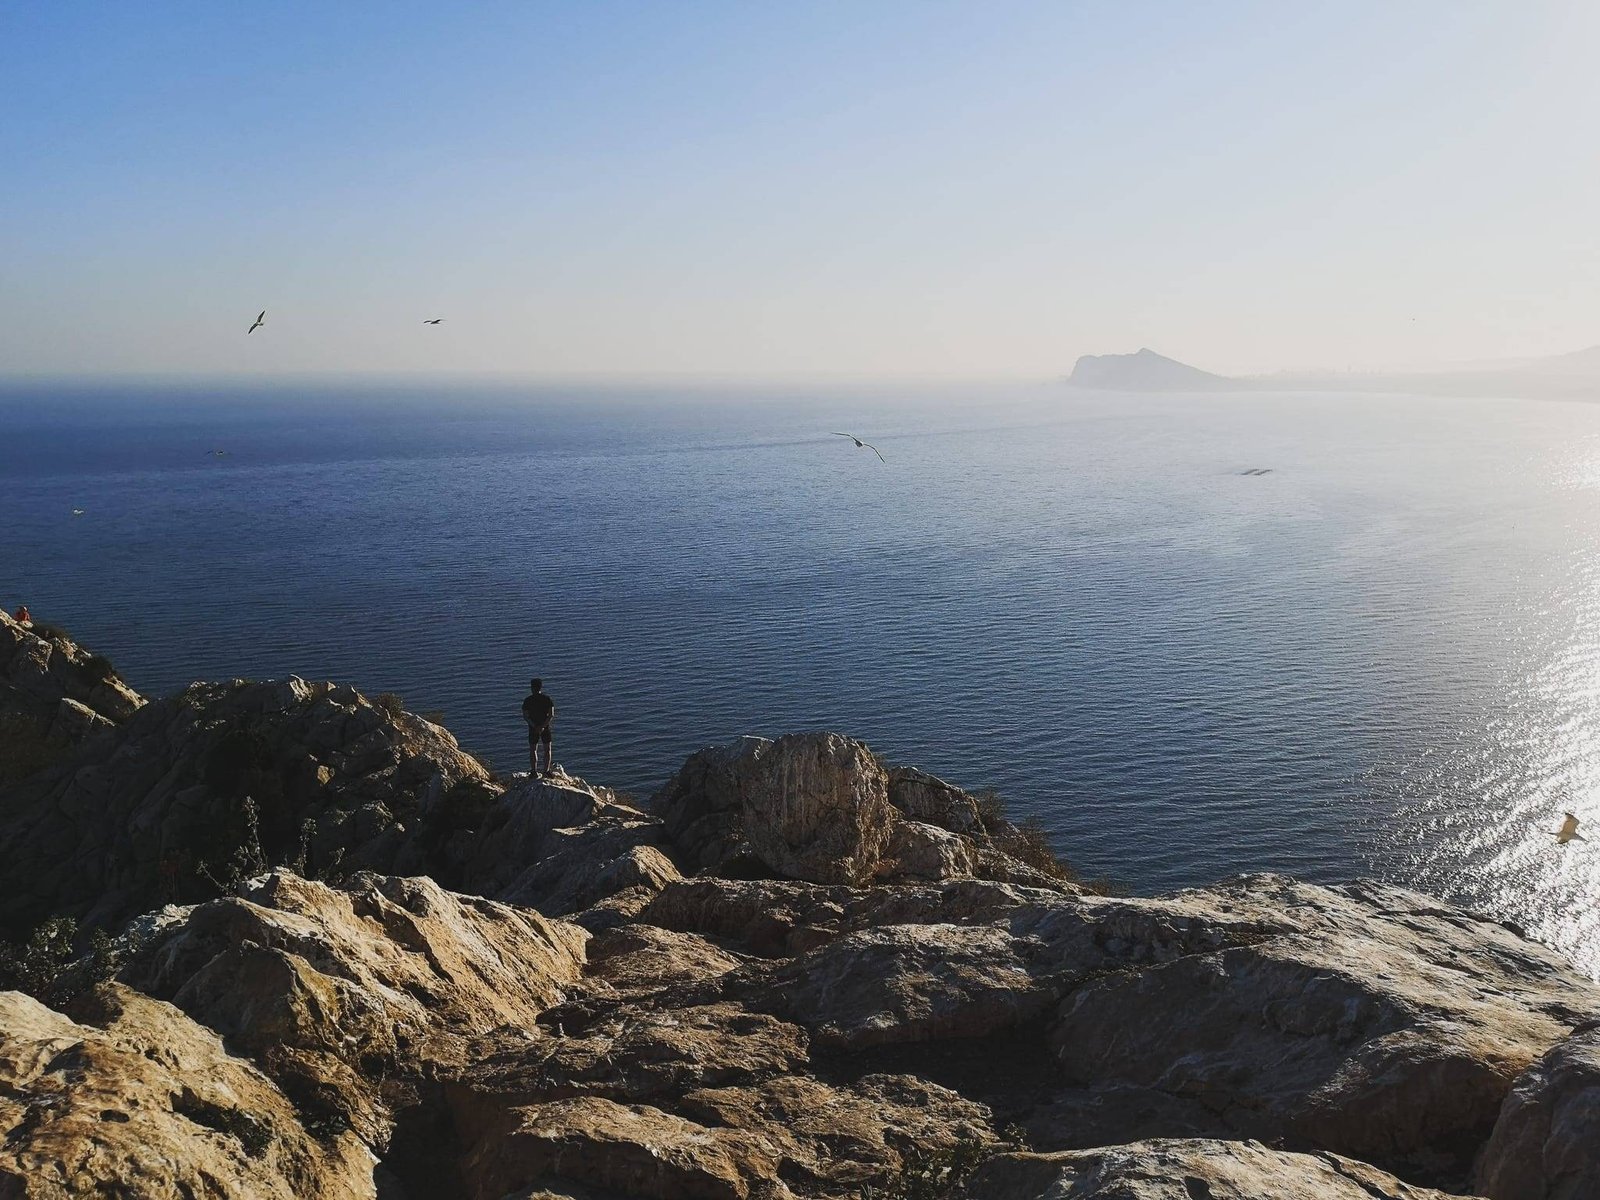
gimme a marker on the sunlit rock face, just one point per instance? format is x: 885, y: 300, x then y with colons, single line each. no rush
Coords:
x: 807, y: 806
x: 129, y: 1097
x: 798, y: 974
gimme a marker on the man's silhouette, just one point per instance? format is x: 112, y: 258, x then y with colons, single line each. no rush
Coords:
x: 538, y: 710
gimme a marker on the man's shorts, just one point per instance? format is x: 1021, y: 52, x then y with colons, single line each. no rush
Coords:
x: 539, y: 735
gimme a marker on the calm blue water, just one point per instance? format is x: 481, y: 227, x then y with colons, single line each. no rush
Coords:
x: 1381, y: 658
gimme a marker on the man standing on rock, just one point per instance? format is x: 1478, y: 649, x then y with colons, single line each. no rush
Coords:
x: 538, y: 710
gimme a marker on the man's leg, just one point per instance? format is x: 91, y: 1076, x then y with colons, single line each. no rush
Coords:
x: 533, y: 754
x: 545, y: 740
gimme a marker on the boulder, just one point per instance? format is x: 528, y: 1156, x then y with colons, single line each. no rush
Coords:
x: 1186, y: 1170
x: 923, y: 797
x: 921, y: 852
x: 808, y: 806
x: 640, y: 960
x: 517, y: 832
x: 632, y: 1149
x: 136, y: 1099
x: 1543, y: 1145
x: 580, y: 867
x: 332, y: 990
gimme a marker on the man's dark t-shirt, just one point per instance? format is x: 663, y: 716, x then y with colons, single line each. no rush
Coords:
x: 538, y: 710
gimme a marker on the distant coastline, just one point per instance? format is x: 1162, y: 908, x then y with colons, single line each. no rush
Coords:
x: 1565, y: 376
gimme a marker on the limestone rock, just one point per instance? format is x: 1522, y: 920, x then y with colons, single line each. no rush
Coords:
x: 923, y: 797
x: 54, y: 695
x: 138, y: 810
x: 578, y: 868
x: 640, y: 960
x: 135, y: 1099
x: 904, y: 983
x: 635, y: 1150
x: 781, y: 917
x: 1377, y: 1024
x: 807, y: 806
x: 516, y: 832
x: 826, y: 1139
x: 918, y: 851
x: 1186, y: 1170
x: 334, y: 989
x: 625, y: 1054
x: 1544, y: 1143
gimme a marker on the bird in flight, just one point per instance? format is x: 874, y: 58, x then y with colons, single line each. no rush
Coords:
x: 260, y: 321
x: 77, y: 512
x: 435, y: 321
x: 860, y: 445
x: 1568, y: 831
x: 216, y: 453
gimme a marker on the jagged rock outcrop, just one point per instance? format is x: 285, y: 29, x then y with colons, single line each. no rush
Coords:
x: 811, y: 806
x: 334, y: 990
x: 1187, y: 1170
x: 1377, y: 1023
x: 1544, y: 1142
x: 134, y: 1099
x: 53, y: 696
x: 128, y: 821
x: 797, y: 974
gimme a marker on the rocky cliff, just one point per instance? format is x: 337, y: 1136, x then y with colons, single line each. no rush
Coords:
x: 796, y: 972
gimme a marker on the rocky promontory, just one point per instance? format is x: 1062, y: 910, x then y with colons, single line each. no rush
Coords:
x: 285, y: 940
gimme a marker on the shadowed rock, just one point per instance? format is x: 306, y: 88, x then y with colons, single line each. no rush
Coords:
x: 128, y: 821
x: 1544, y: 1143
x: 54, y: 695
x: 1187, y: 1170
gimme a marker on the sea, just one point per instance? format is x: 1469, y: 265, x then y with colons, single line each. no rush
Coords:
x: 1193, y: 635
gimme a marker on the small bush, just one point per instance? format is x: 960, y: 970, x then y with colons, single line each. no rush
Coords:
x: 48, y: 968
x: 391, y: 703
x: 98, y: 667
x: 934, y: 1174
x: 1028, y: 841
x: 247, y: 859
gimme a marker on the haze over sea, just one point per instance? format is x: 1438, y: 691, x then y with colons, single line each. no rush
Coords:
x: 1382, y: 658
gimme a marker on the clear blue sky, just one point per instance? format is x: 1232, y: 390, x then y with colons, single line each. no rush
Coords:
x: 854, y: 188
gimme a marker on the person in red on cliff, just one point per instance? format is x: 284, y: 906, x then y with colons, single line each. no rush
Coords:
x: 24, y: 617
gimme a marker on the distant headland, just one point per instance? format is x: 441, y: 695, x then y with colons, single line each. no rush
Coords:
x: 1571, y: 376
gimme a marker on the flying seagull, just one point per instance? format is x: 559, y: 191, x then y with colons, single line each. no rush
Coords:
x: 77, y: 512
x: 1568, y: 831
x: 260, y: 321
x: 860, y: 445
x: 216, y: 453
x: 435, y: 321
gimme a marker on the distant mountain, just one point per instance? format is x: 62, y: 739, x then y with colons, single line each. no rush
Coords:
x: 1145, y: 371
x: 1574, y: 376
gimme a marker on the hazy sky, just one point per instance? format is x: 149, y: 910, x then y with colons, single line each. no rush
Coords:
x: 864, y: 187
